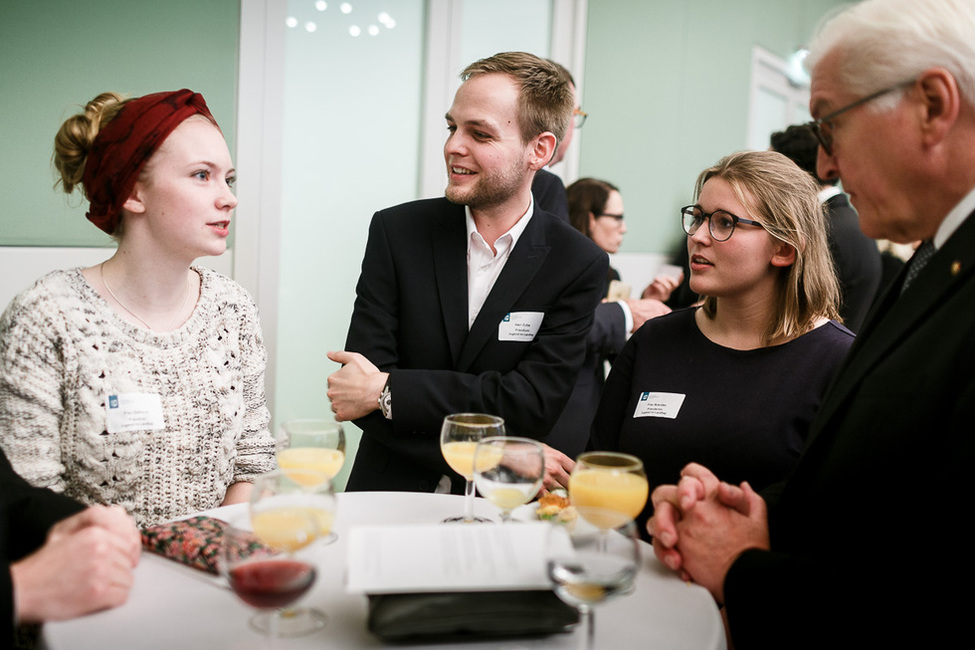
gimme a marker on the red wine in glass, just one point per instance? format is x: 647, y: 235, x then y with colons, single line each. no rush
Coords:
x: 271, y: 583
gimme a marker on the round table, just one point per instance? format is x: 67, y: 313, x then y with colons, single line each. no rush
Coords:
x: 174, y: 606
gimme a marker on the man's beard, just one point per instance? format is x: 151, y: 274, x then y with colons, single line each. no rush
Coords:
x: 488, y: 191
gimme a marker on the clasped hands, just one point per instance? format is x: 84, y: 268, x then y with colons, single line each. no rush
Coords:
x: 701, y: 525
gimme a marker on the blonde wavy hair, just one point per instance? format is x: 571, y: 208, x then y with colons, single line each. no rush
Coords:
x: 784, y: 199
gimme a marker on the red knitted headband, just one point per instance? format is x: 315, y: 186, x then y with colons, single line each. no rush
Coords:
x: 123, y: 146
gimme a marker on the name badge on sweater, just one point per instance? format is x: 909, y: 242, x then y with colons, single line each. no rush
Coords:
x: 134, y: 412
x: 520, y: 326
x: 658, y: 405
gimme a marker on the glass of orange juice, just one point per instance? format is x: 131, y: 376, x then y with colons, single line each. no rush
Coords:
x: 611, y: 481
x: 459, y: 436
x: 316, y: 445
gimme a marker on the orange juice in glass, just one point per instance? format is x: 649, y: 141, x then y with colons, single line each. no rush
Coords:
x: 459, y: 436
x: 609, y: 480
x: 314, y: 445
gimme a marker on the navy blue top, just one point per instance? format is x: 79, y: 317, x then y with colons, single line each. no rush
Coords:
x: 745, y: 413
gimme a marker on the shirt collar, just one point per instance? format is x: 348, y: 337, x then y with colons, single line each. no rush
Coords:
x: 828, y: 192
x: 954, y: 219
x: 514, y: 232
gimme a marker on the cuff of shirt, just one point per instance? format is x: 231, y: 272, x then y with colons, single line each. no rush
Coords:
x: 627, y: 315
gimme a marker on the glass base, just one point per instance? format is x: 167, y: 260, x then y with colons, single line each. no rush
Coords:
x: 461, y: 520
x: 288, y: 623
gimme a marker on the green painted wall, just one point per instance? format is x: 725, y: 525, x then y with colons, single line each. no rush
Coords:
x: 57, y: 54
x: 666, y: 87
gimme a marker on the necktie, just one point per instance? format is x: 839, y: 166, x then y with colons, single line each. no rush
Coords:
x: 920, y: 258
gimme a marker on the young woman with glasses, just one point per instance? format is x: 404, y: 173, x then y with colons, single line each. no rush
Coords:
x: 734, y: 382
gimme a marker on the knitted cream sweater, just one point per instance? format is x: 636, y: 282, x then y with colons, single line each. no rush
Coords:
x: 64, y: 351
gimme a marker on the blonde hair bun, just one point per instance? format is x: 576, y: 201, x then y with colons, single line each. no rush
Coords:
x: 76, y: 136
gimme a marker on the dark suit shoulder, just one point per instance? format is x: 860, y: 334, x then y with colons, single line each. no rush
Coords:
x: 548, y: 229
x: 421, y: 210
x: 549, y: 193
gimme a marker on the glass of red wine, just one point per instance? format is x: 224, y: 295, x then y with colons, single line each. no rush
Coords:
x: 265, y: 560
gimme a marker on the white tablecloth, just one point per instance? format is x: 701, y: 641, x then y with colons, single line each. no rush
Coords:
x: 171, y: 606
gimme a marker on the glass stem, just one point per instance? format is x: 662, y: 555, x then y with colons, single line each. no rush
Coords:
x: 589, y: 621
x: 469, y: 502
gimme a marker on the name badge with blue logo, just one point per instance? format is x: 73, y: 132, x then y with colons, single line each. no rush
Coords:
x: 134, y: 412
x: 658, y: 405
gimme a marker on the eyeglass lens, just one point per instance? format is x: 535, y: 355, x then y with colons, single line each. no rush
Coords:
x: 721, y: 224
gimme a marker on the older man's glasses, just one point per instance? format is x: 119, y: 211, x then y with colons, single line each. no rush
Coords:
x: 823, y: 127
x: 579, y: 117
x: 721, y: 224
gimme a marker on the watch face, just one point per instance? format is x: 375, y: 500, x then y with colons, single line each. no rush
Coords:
x: 385, y: 402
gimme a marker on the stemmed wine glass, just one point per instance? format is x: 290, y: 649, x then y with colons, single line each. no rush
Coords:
x: 508, y: 471
x: 589, y: 564
x: 267, y: 569
x: 280, y: 498
x: 610, y: 480
x: 458, y: 440
x: 317, y: 445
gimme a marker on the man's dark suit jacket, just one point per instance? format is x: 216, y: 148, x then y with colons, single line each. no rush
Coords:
x: 871, y: 539
x: 857, y: 261
x: 26, y: 514
x: 411, y: 319
x: 549, y: 193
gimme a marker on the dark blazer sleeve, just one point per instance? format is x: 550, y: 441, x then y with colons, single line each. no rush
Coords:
x: 611, y: 414
x: 26, y: 514
x: 608, y: 333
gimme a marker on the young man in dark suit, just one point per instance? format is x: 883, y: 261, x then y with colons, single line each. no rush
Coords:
x: 479, y: 301
x: 865, y: 544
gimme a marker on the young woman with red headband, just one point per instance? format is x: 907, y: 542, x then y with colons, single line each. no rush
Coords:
x: 140, y: 381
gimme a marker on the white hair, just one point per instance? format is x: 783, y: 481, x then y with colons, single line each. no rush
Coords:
x: 888, y: 42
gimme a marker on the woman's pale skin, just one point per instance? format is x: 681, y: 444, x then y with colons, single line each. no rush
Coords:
x: 180, y: 209
x: 740, y: 273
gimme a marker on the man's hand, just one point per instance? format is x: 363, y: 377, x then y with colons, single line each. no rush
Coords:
x: 558, y: 467
x: 669, y: 503
x: 84, y: 566
x: 700, y: 526
x: 661, y: 287
x: 715, y: 531
x: 354, y: 388
x: 644, y: 310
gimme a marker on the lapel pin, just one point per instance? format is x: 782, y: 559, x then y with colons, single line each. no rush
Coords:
x: 955, y: 267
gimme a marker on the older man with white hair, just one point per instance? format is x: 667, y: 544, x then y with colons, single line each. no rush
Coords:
x: 865, y: 544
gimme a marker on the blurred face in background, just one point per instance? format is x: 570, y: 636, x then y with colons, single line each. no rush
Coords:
x: 607, y: 228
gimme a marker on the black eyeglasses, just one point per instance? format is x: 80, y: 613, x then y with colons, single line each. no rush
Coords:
x: 823, y: 126
x: 721, y: 223
x: 618, y: 217
x: 579, y: 117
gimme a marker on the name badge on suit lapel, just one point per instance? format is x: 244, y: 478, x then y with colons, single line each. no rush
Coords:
x: 520, y: 326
